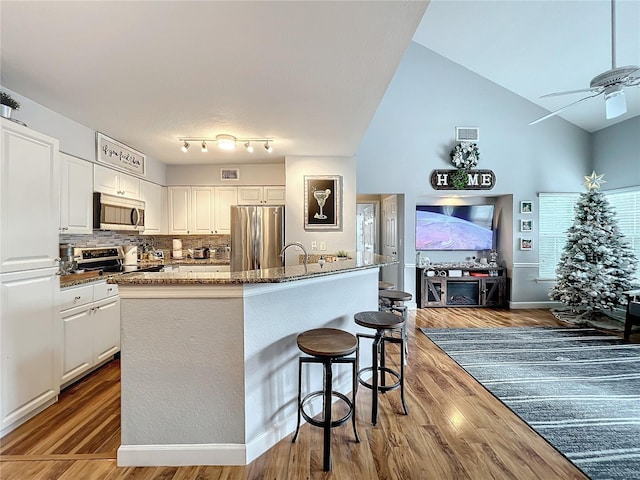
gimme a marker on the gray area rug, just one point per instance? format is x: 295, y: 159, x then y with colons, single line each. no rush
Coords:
x: 577, y: 387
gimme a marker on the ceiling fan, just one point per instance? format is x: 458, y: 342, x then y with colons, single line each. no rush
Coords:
x: 610, y: 83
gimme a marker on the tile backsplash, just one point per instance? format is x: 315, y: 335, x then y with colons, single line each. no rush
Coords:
x: 152, y: 242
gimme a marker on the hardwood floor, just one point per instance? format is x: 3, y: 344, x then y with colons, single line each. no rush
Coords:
x: 455, y: 428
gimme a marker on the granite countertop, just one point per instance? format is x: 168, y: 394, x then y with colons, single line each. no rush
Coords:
x: 76, y: 279
x: 270, y: 275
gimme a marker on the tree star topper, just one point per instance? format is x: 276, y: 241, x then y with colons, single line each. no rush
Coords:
x: 593, y: 181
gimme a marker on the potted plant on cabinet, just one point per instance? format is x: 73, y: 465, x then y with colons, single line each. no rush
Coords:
x: 8, y: 104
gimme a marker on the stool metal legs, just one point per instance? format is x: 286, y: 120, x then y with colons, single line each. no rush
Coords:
x: 379, y: 369
x: 327, y: 423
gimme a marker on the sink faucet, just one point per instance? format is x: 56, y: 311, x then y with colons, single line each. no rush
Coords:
x: 297, y: 244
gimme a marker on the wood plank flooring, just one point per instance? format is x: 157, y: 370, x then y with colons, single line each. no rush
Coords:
x: 455, y: 428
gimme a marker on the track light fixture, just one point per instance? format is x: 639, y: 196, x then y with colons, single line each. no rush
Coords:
x: 226, y: 142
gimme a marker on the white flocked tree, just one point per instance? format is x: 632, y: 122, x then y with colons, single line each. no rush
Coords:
x: 597, y: 264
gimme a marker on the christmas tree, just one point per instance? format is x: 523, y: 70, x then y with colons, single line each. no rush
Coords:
x: 597, y: 264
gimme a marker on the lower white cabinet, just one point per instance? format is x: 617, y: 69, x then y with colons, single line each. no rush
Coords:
x: 91, y: 328
x: 30, y: 339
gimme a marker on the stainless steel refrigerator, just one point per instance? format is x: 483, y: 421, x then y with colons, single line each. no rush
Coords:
x: 257, y: 237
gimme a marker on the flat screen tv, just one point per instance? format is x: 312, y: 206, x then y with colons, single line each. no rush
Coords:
x: 454, y: 227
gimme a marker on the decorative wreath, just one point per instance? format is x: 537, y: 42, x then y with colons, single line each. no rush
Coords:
x: 465, y: 155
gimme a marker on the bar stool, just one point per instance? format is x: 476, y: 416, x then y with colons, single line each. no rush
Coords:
x: 382, y: 285
x: 385, y: 323
x: 327, y: 346
x: 393, y: 301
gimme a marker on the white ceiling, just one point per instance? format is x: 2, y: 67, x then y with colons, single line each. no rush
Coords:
x: 308, y: 73
x: 536, y: 47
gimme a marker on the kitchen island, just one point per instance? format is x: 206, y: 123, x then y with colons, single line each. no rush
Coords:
x: 209, y: 360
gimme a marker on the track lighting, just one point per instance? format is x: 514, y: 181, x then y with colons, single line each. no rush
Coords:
x: 226, y: 142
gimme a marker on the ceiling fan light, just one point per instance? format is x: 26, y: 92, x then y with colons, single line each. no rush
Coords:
x: 226, y: 142
x: 615, y: 101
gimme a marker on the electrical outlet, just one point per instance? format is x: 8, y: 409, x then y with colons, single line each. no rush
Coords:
x: 323, y: 246
x: 314, y: 245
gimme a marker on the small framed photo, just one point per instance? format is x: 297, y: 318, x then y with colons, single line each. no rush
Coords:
x: 526, y: 244
x: 526, y: 206
x: 526, y: 225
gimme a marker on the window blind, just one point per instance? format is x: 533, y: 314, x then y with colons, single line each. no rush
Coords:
x: 626, y: 204
x: 556, y: 214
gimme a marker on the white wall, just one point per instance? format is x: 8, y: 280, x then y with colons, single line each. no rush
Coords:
x: 616, y: 153
x: 264, y: 174
x: 75, y: 139
x: 413, y: 132
x: 296, y: 169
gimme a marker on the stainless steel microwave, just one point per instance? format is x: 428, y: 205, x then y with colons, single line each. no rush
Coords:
x: 111, y: 212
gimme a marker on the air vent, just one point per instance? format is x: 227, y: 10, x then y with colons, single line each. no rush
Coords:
x: 467, y: 134
x: 229, y: 174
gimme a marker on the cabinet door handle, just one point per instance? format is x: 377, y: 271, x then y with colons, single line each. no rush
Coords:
x: 76, y: 299
x: 110, y: 289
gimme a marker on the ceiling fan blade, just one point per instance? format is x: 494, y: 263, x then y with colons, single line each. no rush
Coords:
x: 563, y: 108
x: 615, y: 104
x: 582, y: 90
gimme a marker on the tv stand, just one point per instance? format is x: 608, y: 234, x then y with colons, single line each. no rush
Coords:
x: 460, y: 285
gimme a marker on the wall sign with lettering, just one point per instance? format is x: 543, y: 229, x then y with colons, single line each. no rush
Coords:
x: 462, y: 179
x: 119, y: 155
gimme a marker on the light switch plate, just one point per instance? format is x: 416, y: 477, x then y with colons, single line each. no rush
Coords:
x: 323, y: 246
x: 314, y: 245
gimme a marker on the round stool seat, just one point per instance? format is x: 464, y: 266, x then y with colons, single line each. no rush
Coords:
x: 378, y: 320
x: 327, y: 342
x: 382, y: 285
x: 394, y: 295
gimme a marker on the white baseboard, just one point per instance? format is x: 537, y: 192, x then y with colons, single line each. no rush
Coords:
x: 520, y: 305
x: 181, y: 455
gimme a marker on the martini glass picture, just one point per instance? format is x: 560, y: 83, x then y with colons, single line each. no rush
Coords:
x: 321, y: 197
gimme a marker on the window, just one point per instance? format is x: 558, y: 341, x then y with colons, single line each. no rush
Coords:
x: 626, y: 203
x: 555, y: 217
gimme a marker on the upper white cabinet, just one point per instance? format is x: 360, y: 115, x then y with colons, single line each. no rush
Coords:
x: 76, y: 199
x: 29, y: 199
x: 255, y: 195
x: 155, y: 208
x: 110, y: 181
x: 225, y: 197
x: 201, y: 210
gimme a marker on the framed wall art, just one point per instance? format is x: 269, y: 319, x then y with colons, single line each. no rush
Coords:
x: 526, y: 225
x: 119, y: 155
x: 323, y: 202
x: 526, y: 244
x: 526, y: 206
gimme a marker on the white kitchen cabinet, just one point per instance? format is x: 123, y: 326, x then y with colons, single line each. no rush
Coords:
x: 76, y: 195
x: 201, y: 210
x: 256, y: 195
x: 91, y: 328
x: 30, y: 345
x: 110, y: 181
x: 225, y: 197
x: 155, y: 208
x: 29, y: 199
x: 179, y: 205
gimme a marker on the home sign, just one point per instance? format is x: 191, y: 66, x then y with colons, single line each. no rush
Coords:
x: 119, y: 155
x: 462, y: 179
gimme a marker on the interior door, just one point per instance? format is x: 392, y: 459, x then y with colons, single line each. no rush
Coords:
x: 390, y: 238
